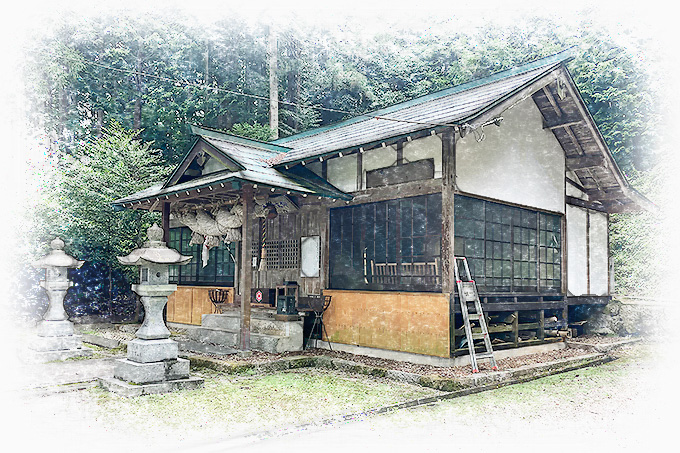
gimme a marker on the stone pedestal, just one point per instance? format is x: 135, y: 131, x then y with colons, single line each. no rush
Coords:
x: 152, y: 364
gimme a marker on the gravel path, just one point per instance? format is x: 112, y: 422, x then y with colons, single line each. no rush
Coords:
x: 126, y: 333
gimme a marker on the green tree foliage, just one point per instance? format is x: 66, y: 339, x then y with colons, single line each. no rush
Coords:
x: 92, y: 178
x: 639, y: 254
x: 75, y: 204
x: 252, y: 130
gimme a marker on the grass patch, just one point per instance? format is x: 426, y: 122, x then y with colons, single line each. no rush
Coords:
x: 231, y: 404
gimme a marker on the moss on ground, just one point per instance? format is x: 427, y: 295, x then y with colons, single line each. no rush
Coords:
x: 230, y: 403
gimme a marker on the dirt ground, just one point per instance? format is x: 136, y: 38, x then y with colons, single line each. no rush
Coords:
x: 627, y: 404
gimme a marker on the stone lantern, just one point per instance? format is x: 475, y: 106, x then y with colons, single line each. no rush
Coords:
x: 56, y: 337
x: 152, y: 364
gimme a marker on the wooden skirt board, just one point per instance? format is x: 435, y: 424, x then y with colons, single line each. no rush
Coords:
x: 398, y: 321
x: 189, y: 303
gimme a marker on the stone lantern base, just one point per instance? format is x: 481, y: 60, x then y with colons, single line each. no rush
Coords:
x: 56, y: 340
x: 152, y: 366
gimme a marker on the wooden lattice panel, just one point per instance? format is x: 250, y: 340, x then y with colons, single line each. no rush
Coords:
x: 282, y: 254
x: 289, y: 254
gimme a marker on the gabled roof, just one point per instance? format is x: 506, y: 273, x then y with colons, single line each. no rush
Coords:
x: 251, y: 158
x: 449, y: 107
x: 273, y: 164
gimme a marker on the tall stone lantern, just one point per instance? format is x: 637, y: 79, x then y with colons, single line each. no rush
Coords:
x: 56, y: 337
x: 152, y: 364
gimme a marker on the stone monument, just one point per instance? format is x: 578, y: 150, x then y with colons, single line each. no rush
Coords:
x: 56, y: 339
x: 152, y: 364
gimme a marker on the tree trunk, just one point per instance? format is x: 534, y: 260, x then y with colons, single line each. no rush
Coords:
x: 137, y: 114
x: 99, y: 122
x: 273, y: 85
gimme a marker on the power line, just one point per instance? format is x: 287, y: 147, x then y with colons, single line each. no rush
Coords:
x: 253, y: 96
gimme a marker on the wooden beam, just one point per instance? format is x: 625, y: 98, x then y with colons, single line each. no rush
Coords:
x: 582, y: 162
x: 246, y: 265
x: 166, y: 222
x: 577, y: 185
x: 602, y: 195
x: 400, y: 152
x: 521, y: 306
x: 585, y: 204
x: 396, y: 191
x: 552, y: 101
x: 561, y: 124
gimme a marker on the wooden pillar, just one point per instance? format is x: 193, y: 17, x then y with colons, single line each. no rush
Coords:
x: 246, y: 265
x: 448, y: 186
x: 447, y: 269
x: 166, y: 222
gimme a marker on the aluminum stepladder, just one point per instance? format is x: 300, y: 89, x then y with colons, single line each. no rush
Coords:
x: 467, y: 294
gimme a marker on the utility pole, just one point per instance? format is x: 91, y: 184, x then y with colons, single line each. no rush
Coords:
x: 273, y: 84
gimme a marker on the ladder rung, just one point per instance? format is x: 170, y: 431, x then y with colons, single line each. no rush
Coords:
x: 478, y: 336
x: 484, y: 355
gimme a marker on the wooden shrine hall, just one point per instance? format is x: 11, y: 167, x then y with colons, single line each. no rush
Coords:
x: 509, y: 171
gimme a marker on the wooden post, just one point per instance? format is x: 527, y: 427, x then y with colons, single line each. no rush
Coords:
x: 448, y: 186
x: 166, y: 222
x: 246, y: 265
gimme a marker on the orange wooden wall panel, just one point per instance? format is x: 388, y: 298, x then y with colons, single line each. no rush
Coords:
x: 170, y: 308
x: 189, y: 303
x: 409, y: 322
x: 183, y: 297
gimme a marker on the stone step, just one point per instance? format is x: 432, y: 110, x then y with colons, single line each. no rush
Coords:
x: 273, y: 343
x: 197, y: 346
x: 230, y: 322
x: 263, y: 325
x: 215, y: 336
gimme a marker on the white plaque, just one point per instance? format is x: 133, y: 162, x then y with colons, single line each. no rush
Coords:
x: 310, y: 256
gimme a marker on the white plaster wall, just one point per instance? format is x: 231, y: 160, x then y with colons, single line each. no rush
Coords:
x: 519, y: 161
x: 573, y: 191
x: 429, y: 147
x: 342, y: 172
x: 599, y: 256
x: 213, y: 165
x: 577, y: 252
x: 378, y: 158
x: 315, y: 167
x: 576, y: 193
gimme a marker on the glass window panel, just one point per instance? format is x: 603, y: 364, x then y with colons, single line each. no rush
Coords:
x: 406, y: 249
x: 434, y: 215
x: 510, y: 237
x: 419, y: 216
x: 507, y: 251
x: 406, y: 219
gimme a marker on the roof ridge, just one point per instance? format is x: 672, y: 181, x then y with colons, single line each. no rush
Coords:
x: 246, y: 141
x: 550, y: 60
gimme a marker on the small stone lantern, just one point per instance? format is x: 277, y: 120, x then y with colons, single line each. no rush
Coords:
x: 152, y: 364
x: 56, y: 337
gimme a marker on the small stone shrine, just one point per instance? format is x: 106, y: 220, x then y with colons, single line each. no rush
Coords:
x: 152, y: 364
x: 56, y: 339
